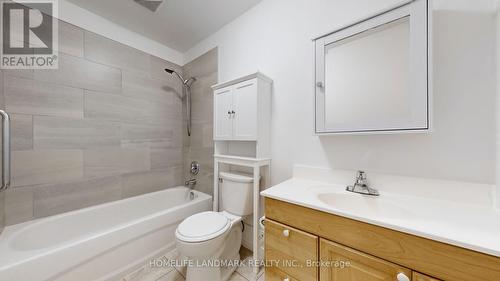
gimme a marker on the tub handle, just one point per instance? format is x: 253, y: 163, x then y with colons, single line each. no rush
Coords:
x: 5, y: 150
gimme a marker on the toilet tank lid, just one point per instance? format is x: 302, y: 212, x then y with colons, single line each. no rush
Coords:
x: 236, y: 177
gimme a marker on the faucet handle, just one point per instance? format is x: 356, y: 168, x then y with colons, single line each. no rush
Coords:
x: 190, y: 183
x: 361, y: 178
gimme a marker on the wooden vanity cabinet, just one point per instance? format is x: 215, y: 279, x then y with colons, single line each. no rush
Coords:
x: 375, y: 253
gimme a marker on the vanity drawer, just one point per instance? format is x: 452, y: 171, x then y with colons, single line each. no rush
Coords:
x: 274, y: 274
x: 290, y: 249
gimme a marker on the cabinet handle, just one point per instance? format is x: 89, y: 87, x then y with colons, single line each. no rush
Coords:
x: 402, y: 277
x: 286, y: 232
x: 229, y: 112
x: 286, y: 279
x: 233, y: 112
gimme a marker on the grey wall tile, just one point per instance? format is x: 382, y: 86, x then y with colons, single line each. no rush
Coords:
x: 152, y: 136
x: 21, y: 132
x: 163, y: 158
x: 59, y: 132
x: 138, y: 85
x: 25, y: 73
x: 200, y: 112
x: 28, y: 96
x: 70, y: 39
x: 105, y: 106
x: 114, y: 161
x: 140, y: 183
x: 109, y: 52
x: 205, y: 181
x: 204, y: 65
x: 157, y: 69
x: 2, y: 210
x: 107, y: 124
x: 59, y: 198
x: 2, y: 103
x: 202, y: 135
x: 33, y: 167
x: 112, y: 107
x: 199, y: 147
x: 18, y: 205
x: 80, y: 73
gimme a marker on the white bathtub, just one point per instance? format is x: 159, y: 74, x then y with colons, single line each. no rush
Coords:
x: 97, y: 243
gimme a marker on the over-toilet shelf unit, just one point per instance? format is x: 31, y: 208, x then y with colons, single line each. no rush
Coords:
x: 242, y: 116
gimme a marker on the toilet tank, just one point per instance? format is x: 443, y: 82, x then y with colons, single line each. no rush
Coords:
x: 236, y: 193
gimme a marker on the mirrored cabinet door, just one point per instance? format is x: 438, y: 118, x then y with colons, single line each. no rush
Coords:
x: 373, y: 76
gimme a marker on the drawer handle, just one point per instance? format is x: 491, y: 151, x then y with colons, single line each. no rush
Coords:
x: 403, y: 277
x: 286, y: 232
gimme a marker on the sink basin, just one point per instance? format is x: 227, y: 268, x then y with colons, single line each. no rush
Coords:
x: 365, y: 206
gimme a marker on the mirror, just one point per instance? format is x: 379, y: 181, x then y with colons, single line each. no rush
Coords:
x: 373, y: 76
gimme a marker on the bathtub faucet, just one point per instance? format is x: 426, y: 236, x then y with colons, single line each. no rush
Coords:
x: 190, y: 183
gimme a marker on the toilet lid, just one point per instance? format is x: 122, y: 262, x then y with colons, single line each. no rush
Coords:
x: 202, y: 227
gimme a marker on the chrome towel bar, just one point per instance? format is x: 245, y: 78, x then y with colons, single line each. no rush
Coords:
x: 5, y: 150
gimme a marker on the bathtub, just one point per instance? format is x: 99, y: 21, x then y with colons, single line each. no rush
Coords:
x: 102, y: 242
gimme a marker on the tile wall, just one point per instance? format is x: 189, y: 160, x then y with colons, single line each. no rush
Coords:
x: 106, y: 125
x: 199, y: 147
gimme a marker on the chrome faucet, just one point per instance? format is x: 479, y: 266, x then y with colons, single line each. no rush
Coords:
x: 190, y: 183
x: 361, y: 186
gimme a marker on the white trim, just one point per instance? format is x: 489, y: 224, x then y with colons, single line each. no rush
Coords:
x: 394, y: 7
x: 87, y: 20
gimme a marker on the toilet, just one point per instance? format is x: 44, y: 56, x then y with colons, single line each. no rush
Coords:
x: 211, y: 241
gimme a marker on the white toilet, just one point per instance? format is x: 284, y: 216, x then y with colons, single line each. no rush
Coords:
x: 208, y: 237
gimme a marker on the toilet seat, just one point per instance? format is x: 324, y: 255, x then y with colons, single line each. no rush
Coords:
x: 203, y: 227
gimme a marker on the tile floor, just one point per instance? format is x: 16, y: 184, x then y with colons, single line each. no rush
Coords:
x: 172, y: 273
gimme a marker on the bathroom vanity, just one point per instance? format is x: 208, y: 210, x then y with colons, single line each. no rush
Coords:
x: 318, y: 231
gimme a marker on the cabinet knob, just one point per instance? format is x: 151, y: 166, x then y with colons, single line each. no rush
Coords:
x: 286, y: 232
x: 286, y: 279
x: 233, y: 112
x: 229, y: 112
x: 402, y: 277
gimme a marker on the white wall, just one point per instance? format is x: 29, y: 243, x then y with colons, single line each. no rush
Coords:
x: 275, y: 38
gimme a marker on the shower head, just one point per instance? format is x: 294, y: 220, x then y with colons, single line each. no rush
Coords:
x: 170, y: 71
x: 186, y: 82
x: 187, y: 94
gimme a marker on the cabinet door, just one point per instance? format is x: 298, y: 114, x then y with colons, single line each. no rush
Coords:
x: 340, y: 263
x: 292, y: 251
x: 420, y: 277
x: 245, y: 110
x: 223, y: 122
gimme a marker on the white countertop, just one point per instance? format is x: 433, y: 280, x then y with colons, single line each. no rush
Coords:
x: 470, y: 226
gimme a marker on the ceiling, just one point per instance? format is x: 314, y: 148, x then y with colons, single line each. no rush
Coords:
x: 178, y: 24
